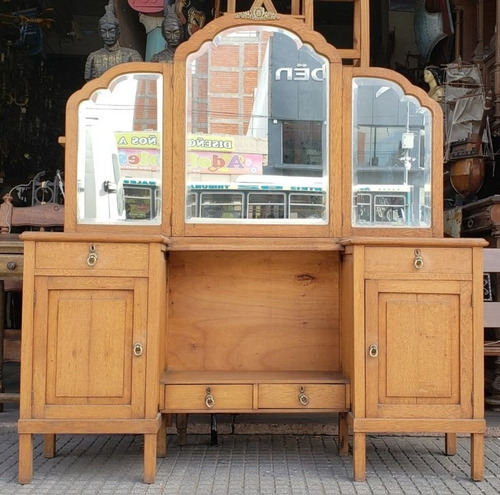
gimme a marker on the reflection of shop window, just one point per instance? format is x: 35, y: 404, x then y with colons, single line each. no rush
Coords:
x: 266, y: 205
x: 141, y: 202
x: 305, y: 205
x: 302, y: 142
x: 221, y: 205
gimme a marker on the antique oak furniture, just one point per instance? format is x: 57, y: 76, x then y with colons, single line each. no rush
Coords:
x: 255, y: 227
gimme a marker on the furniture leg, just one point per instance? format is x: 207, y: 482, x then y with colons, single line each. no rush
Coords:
x: 343, y: 435
x: 477, y: 456
x: 150, y: 457
x: 359, y: 456
x: 181, y: 421
x: 49, y: 445
x: 161, y: 441
x: 451, y: 443
x: 25, y: 458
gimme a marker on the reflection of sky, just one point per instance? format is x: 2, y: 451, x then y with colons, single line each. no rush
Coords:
x: 113, y: 109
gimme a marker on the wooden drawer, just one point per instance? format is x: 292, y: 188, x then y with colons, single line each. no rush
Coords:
x: 196, y: 397
x: 450, y: 262
x: 11, y: 265
x: 75, y: 255
x: 303, y: 396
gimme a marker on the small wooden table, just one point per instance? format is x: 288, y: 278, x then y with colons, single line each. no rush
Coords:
x: 11, y: 267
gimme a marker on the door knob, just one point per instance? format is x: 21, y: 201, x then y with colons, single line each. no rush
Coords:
x: 373, y: 351
x: 138, y: 349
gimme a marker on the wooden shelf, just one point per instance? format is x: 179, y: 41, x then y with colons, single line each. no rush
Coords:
x: 216, y: 377
x: 253, y: 244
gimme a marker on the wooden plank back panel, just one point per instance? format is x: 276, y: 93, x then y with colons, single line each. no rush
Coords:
x: 254, y: 311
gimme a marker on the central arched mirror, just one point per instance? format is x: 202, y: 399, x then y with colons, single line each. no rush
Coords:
x: 120, y: 152
x: 257, y: 129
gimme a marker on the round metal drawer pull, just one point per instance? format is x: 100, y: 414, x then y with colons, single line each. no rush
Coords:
x: 92, y: 257
x: 373, y: 351
x: 11, y: 265
x: 138, y: 350
x: 209, y: 399
x: 303, y: 398
x: 418, y: 261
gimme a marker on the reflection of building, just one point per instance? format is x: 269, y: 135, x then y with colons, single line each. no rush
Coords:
x: 391, y: 165
x: 235, y: 100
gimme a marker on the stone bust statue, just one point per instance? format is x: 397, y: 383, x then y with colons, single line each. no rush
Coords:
x: 173, y: 32
x: 112, y: 54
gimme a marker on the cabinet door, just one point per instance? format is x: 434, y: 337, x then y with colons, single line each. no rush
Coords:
x: 86, y: 332
x: 418, y: 349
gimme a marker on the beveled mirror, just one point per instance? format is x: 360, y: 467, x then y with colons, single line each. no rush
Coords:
x: 257, y: 130
x: 119, y: 157
x: 391, y: 156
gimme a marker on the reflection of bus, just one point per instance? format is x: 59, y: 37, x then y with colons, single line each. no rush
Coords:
x: 383, y: 204
x: 257, y: 200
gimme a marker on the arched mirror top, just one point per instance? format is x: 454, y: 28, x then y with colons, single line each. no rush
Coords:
x: 257, y: 128
x: 119, y: 151
x: 256, y: 20
x: 396, y: 155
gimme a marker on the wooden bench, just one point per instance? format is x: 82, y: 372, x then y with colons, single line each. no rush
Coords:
x: 42, y: 216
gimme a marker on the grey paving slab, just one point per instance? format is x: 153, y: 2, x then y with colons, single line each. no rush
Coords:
x: 249, y: 465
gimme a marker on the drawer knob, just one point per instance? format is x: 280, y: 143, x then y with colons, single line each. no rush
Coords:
x: 138, y: 350
x: 92, y: 257
x: 11, y: 265
x: 418, y: 261
x: 209, y: 399
x: 303, y: 398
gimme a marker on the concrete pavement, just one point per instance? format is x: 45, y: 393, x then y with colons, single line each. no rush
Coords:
x: 249, y: 464
x: 255, y: 455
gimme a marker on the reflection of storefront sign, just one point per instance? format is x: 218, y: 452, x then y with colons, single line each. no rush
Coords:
x: 299, y: 73
x: 224, y: 163
x: 138, y: 150
x: 209, y: 142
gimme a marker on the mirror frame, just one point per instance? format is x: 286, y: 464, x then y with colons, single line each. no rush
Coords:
x: 174, y: 147
x: 436, y: 227
x: 182, y: 228
x: 70, y: 142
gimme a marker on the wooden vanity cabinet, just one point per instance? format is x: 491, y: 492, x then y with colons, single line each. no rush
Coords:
x: 414, y: 357
x: 94, y: 346
x: 302, y: 268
